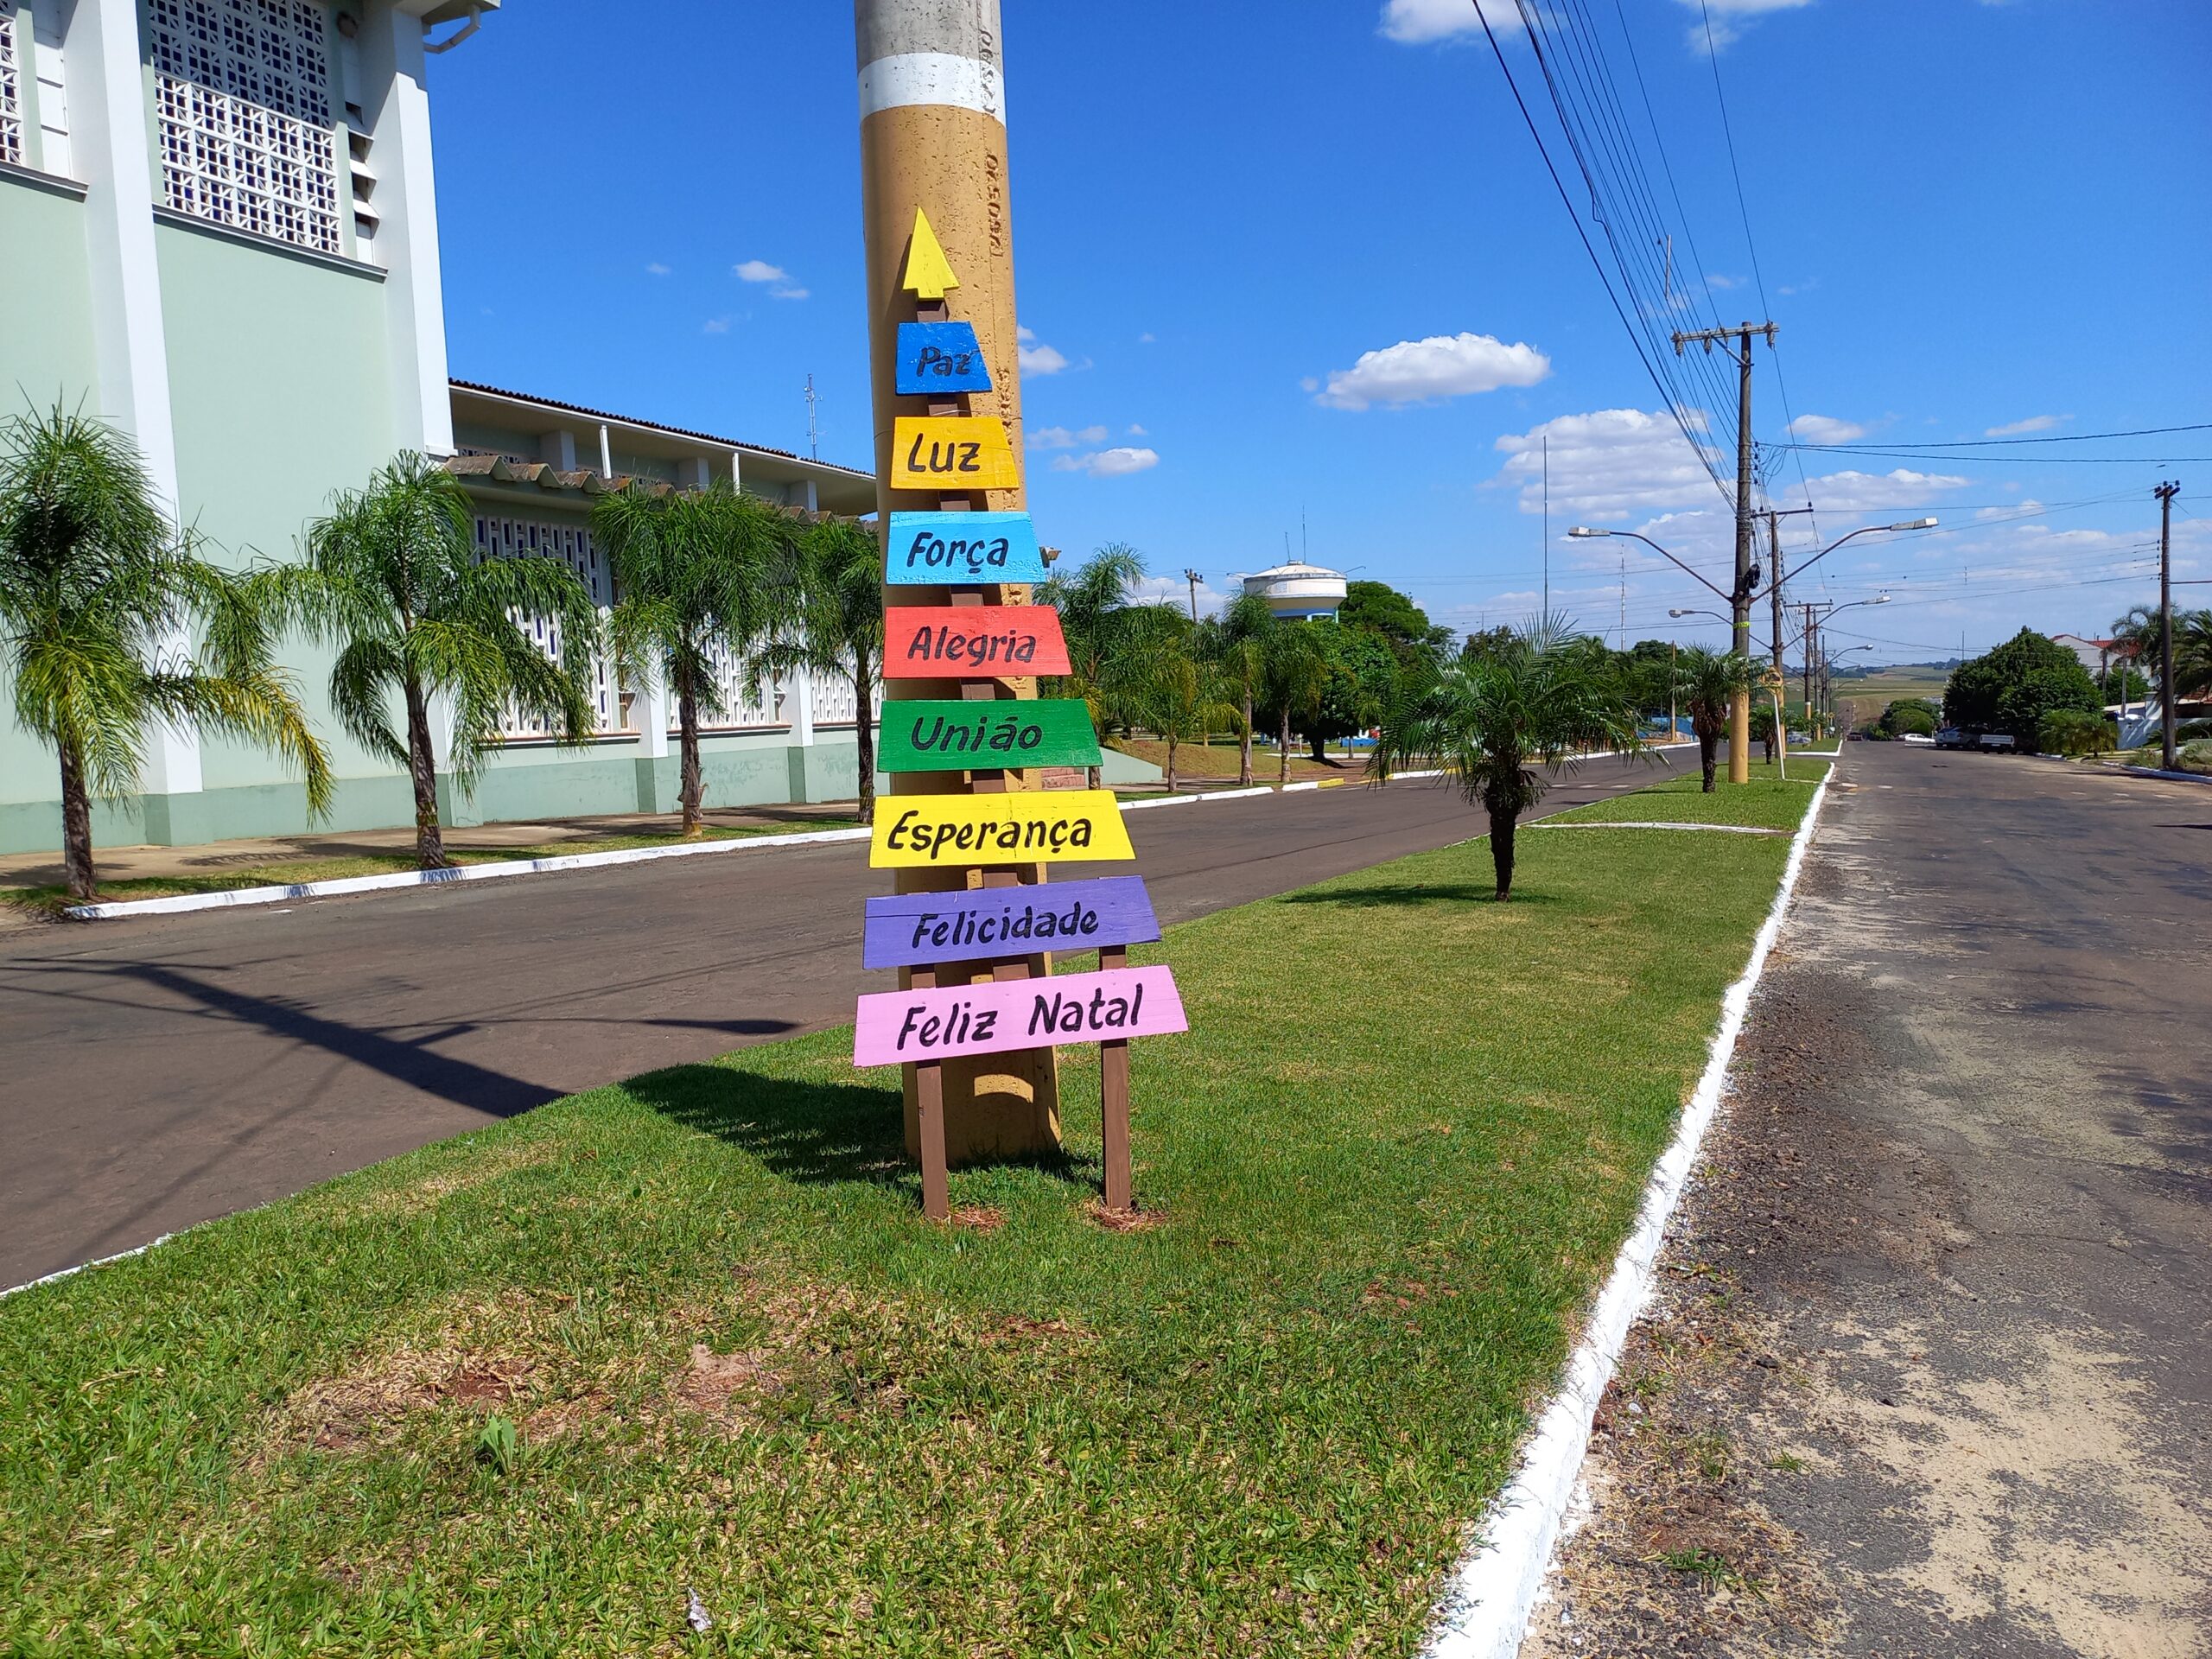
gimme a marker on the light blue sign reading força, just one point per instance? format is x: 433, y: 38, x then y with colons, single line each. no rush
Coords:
x: 940, y: 357
x: 927, y: 548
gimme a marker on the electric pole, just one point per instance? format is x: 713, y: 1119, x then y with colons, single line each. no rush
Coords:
x: 2166, y: 493
x: 1740, y: 714
x: 1812, y: 640
x: 1191, y: 576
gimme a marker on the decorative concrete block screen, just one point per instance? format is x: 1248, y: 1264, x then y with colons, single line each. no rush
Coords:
x: 11, y: 90
x: 738, y: 709
x: 522, y: 538
x: 242, y: 97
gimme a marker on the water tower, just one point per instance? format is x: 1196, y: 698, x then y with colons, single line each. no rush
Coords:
x: 1299, y: 591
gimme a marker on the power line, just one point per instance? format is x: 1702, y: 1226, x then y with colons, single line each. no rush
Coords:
x: 1988, y: 443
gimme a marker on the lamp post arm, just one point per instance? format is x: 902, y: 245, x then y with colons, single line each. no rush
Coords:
x: 1670, y: 558
x: 1863, y: 530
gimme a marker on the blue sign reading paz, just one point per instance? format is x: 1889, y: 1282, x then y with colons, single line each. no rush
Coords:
x: 941, y: 547
x: 983, y: 923
x: 936, y: 357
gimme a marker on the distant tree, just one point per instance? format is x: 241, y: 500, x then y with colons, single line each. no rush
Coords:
x: 1909, y: 716
x: 1296, y: 679
x: 1177, y: 694
x: 697, y: 574
x: 2012, y: 688
x: 1376, y: 607
x: 2139, y: 632
x: 828, y: 620
x: 393, y: 580
x: 1763, y: 729
x: 1487, y: 643
x: 1362, y: 674
x: 1491, y: 722
x: 1100, y: 624
x: 1708, y: 682
x: 1238, y: 642
x: 110, y: 625
x: 2069, y: 731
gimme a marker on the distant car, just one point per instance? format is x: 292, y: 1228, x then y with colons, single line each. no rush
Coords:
x: 1921, y: 738
x: 1854, y: 736
x: 1996, y: 740
x: 1950, y: 738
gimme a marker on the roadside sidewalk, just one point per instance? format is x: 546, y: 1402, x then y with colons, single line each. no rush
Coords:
x: 1926, y: 1370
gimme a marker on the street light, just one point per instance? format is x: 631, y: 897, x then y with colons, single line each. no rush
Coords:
x: 1584, y: 532
x: 1863, y: 530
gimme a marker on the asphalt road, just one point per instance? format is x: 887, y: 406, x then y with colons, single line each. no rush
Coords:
x: 1931, y: 1368
x: 164, y: 1070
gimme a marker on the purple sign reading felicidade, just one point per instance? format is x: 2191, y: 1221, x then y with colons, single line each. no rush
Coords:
x: 1009, y: 1014
x: 981, y: 922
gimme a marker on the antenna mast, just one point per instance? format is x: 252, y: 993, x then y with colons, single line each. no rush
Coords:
x: 813, y: 430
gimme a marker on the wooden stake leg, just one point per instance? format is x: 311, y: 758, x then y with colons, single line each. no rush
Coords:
x: 928, y: 1103
x: 1114, y: 1104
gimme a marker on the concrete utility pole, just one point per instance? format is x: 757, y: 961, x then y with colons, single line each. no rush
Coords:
x: 1740, y: 714
x: 2166, y: 493
x: 1811, y: 642
x: 1191, y: 576
x: 932, y: 94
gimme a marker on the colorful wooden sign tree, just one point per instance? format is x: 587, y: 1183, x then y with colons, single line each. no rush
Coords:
x: 967, y: 824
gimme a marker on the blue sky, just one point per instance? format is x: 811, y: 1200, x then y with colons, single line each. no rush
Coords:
x: 1969, y: 219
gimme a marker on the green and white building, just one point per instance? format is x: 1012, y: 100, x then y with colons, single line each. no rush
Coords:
x: 219, y: 231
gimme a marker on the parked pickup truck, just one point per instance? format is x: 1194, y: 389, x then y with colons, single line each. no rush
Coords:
x: 1995, y: 741
x: 1950, y: 738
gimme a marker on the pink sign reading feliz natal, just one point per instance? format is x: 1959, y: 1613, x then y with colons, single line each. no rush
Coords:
x: 987, y: 1019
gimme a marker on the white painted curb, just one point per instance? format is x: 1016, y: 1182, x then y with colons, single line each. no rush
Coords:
x: 1487, y: 1602
x: 1612, y: 823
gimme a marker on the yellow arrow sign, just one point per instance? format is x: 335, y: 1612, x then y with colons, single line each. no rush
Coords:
x: 952, y: 451
x: 1032, y: 827
x: 929, y: 273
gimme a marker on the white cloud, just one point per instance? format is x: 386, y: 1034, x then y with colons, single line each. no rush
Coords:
x: 1826, y: 428
x: 2033, y: 423
x: 1171, y: 590
x: 759, y: 270
x: 1146, y: 340
x: 1727, y: 18
x: 1036, y: 357
x: 1442, y: 366
x: 654, y: 267
x: 1137, y: 431
x: 1416, y: 22
x: 717, y: 326
x: 1723, y: 284
x: 1853, y: 491
x: 1058, y: 437
x: 1805, y: 287
x: 787, y: 292
x: 1109, y: 463
x: 1608, y: 464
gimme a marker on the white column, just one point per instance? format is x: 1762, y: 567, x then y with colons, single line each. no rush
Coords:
x: 654, y: 712
x: 111, y: 149
x: 801, y: 707
x: 406, y: 233
x: 605, y: 455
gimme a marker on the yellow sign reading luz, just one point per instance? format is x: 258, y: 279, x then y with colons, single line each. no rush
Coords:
x: 952, y: 451
x: 1053, y: 826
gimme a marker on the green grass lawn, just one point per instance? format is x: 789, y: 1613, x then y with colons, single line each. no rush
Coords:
x: 285, y: 872
x: 1385, y: 1169
x: 1769, y: 800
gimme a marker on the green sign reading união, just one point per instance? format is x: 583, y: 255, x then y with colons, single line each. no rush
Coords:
x: 944, y: 736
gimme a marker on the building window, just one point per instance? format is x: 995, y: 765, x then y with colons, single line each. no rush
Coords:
x: 11, y: 87
x: 242, y: 95
x: 523, y: 538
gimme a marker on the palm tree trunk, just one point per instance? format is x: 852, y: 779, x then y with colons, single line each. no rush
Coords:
x: 1244, y: 745
x: 1283, y: 748
x: 687, y: 721
x: 864, y: 733
x: 1171, y: 763
x: 1501, y: 851
x: 77, y: 826
x: 1707, y: 747
x: 422, y: 773
x: 1320, y: 749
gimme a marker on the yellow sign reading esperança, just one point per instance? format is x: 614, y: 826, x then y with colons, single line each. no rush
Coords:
x: 1031, y: 827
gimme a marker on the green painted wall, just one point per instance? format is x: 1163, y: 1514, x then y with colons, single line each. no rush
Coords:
x: 46, y: 356
x: 281, y: 392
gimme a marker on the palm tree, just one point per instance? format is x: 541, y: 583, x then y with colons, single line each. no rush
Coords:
x: 1093, y: 602
x: 694, y: 575
x: 1238, y: 642
x: 1175, y: 693
x: 100, y: 597
x: 1709, y: 683
x: 1534, y: 701
x: 2138, y: 631
x: 392, y: 579
x: 1297, y: 678
x: 830, y: 620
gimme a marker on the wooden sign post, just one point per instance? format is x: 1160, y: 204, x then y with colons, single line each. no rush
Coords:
x: 966, y: 824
